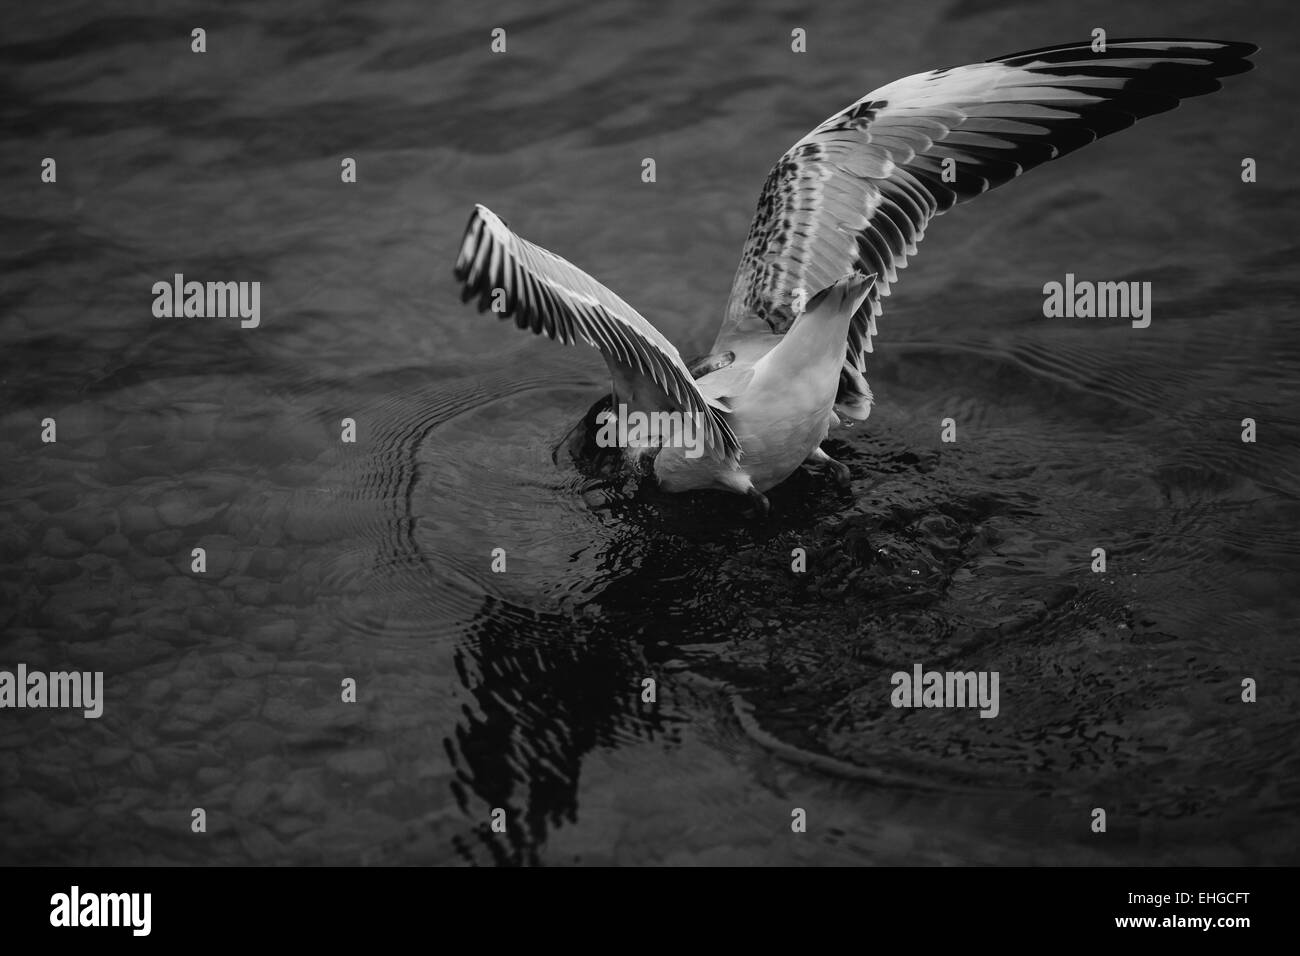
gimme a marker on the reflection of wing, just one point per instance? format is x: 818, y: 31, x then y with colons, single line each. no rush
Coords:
x: 858, y: 191
x: 549, y: 295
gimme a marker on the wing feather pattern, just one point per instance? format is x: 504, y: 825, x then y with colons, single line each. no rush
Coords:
x: 550, y: 296
x: 857, y: 193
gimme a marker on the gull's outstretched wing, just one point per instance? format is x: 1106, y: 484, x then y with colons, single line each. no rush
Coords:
x: 549, y: 295
x: 857, y: 192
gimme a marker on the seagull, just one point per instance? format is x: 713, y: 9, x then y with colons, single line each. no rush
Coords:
x: 839, y: 214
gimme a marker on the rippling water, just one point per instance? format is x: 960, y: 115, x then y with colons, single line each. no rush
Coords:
x: 522, y: 690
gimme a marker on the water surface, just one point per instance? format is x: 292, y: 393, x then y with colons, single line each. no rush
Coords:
x: 522, y: 690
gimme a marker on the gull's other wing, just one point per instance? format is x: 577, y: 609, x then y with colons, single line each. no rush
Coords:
x: 551, y: 296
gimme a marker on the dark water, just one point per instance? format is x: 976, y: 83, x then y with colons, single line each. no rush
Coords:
x: 521, y: 690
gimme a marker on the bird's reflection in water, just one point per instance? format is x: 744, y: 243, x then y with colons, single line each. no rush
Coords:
x: 549, y: 688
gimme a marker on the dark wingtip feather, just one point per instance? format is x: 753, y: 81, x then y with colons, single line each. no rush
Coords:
x: 1231, y: 55
x: 463, y: 261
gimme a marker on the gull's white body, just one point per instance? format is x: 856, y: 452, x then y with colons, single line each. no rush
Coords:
x: 785, y: 409
x: 839, y: 215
